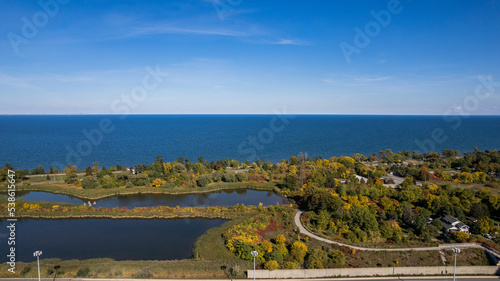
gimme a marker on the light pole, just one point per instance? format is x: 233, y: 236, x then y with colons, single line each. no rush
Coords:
x: 37, y: 254
x: 254, y: 254
x: 456, y: 251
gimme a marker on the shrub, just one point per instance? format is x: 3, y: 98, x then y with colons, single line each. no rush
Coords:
x: 242, y: 176
x: 275, y: 255
x: 336, y: 257
x: 216, y: 176
x: 107, y: 181
x: 25, y: 270
x: 89, y: 182
x: 271, y: 265
x: 139, y: 180
x: 266, y: 246
x: 459, y: 236
x: 83, y: 272
x: 280, y: 239
x: 316, y: 258
x: 144, y: 273
x: 299, y: 245
x: 229, y: 176
x: 314, y: 264
x: 291, y: 265
x: 280, y: 247
x: 203, y: 180
x: 235, y: 271
x: 179, y: 168
x: 297, y: 254
x: 158, y: 182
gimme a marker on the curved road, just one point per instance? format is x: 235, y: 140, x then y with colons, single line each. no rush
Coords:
x: 303, y: 230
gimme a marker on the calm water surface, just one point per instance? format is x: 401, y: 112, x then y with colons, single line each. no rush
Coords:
x: 106, y: 238
x: 219, y: 198
x: 27, y: 141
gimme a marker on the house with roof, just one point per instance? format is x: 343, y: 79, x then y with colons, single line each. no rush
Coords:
x: 451, y: 224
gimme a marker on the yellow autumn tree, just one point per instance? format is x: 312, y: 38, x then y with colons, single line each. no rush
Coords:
x: 266, y: 246
x: 158, y: 182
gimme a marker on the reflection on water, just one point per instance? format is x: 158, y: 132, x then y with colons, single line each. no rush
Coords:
x: 122, y: 239
x: 219, y: 198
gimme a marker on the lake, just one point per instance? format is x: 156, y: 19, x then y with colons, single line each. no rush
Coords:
x: 106, y: 238
x: 28, y: 141
x: 218, y: 198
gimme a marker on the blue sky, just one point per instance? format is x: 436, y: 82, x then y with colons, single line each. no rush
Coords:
x: 242, y: 56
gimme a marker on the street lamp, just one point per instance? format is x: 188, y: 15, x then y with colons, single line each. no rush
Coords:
x: 456, y: 251
x: 254, y: 254
x: 37, y: 254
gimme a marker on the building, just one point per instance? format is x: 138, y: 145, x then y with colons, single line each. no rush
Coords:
x: 451, y: 224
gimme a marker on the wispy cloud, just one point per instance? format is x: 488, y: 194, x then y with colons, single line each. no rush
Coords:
x: 15, y: 82
x: 371, y: 79
x: 279, y: 42
x: 165, y: 29
x: 291, y: 42
x: 329, y: 81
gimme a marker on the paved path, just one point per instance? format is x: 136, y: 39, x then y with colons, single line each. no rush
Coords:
x: 303, y: 230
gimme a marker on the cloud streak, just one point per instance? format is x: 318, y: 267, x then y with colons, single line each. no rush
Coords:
x: 374, y: 79
x: 165, y: 29
x: 14, y: 82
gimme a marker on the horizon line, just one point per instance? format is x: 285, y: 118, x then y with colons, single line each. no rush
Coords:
x: 194, y: 114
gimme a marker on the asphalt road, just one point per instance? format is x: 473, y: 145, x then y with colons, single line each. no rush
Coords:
x: 460, y: 278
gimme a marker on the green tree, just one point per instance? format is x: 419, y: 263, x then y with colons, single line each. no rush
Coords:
x: 448, y: 153
x: 485, y: 225
x: 229, y: 176
x: 298, y: 251
x: 386, y: 230
x: 70, y: 172
x: 316, y: 258
x: 271, y: 265
x: 38, y: 171
x: 336, y: 258
x: 89, y: 182
x: 88, y: 171
x: 242, y: 176
x: 204, y: 180
x: 107, y: 182
x: 275, y: 255
x: 480, y: 210
x: 323, y: 219
x: 459, y: 236
x: 291, y: 265
x: 363, y: 218
x: 95, y: 168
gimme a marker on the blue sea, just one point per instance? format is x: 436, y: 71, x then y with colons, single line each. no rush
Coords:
x: 27, y: 141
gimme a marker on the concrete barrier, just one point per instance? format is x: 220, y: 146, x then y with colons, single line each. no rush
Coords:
x: 372, y: 271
